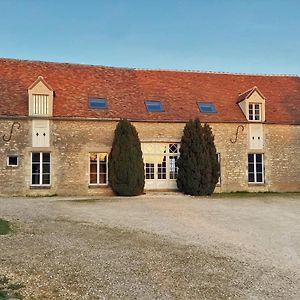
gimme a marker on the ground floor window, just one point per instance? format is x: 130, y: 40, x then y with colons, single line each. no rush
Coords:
x: 219, y: 161
x: 255, y: 168
x: 98, y: 168
x: 40, y: 168
x: 12, y: 161
x: 149, y: 170
x: 160, y: 160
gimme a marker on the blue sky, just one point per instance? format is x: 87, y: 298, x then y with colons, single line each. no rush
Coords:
x: 257, y: 36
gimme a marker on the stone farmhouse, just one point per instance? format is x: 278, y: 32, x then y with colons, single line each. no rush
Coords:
x: 57, y: 123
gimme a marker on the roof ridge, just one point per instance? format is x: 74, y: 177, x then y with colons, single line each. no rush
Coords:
x: 150, y: 69
x: 62, y: 63
x: 217, y: 72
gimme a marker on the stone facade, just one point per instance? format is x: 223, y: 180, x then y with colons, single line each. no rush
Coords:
x: 54, y: 140
x: 14, y: 180
x: 71, y: 141
x: 283, y: 157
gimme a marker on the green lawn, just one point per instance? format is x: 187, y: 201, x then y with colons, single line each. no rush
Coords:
x: 4, y: 227
x: 9, y: 290
x: 254, y: 195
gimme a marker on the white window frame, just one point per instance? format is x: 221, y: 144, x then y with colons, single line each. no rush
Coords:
x: 41, y: 170
x: 252, y: 105
x: 255, y: 170
x: 98, y: 169
x: 7, y: 161
x: 168, y: 172
x: 219, y: 161
x: 149, y: 171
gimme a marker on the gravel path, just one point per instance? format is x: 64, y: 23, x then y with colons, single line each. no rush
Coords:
x: 157, y: 246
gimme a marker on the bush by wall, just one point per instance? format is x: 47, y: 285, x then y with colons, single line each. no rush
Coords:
x: 126, y: 167
x: 198, y: 167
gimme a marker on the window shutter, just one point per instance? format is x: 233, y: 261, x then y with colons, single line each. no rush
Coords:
x: 40, y: 133
x: 255, y: 136
x: 40, y: 104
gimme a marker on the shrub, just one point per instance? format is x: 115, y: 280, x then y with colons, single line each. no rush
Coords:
x: 213, y: 171
x: 9, y: 290
x: 198, y: 167
x: 126, y: 167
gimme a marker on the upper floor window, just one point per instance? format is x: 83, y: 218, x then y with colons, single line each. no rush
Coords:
x: 206, y: 107
x: 254, y: 112
x: 252, y: 103
x: 40, y: 104
x: 97, y: 103
x: 40, y: 97
x: 40, y: 133
x: 152, y: 105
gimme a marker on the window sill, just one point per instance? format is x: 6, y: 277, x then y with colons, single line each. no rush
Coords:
x: 43, y: 187
x: 40, y: 115
x: 256, y: 183
x: 97, y: 186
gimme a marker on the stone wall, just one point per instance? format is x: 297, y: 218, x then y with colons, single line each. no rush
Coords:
x: 71, y: 142
x: 14, y: 180
x: 282, y: 153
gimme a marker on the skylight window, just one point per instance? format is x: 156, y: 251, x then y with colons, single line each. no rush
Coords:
x: 97, y: 103
x: 152, y: 105
x: 206, y: 107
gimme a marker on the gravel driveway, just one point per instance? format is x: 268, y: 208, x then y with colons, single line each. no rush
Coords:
x: 157, y: 246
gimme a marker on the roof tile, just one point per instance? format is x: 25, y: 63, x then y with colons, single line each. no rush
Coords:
x: 126, y: 90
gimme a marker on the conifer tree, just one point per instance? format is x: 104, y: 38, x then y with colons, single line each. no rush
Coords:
x: 126, y: 167
x: 214, y: 168
x: 198, y: 167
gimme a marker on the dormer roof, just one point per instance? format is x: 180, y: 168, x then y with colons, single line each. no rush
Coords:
x: 245, y: 95
x: 38, y: 80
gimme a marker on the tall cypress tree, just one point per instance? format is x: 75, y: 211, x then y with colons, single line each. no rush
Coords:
x: 197, y: 167
x: 214, y: 168
x: 126, y: 167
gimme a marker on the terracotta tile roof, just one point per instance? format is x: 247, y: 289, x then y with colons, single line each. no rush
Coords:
x: 126, y: 90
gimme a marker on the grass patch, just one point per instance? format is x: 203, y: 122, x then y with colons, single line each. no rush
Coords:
x: 41, y: 195
x: 9, y: 290
x: 4, y: 227
x: 245, y: 194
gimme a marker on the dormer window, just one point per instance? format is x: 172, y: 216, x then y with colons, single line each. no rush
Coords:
x: 254, y: 111
x: 252, y: 103
x: 40, y: 99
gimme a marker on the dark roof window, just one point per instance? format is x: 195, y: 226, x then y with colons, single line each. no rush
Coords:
x: 206, y: 107
x: 97, y: 103
x: 152, y: 105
